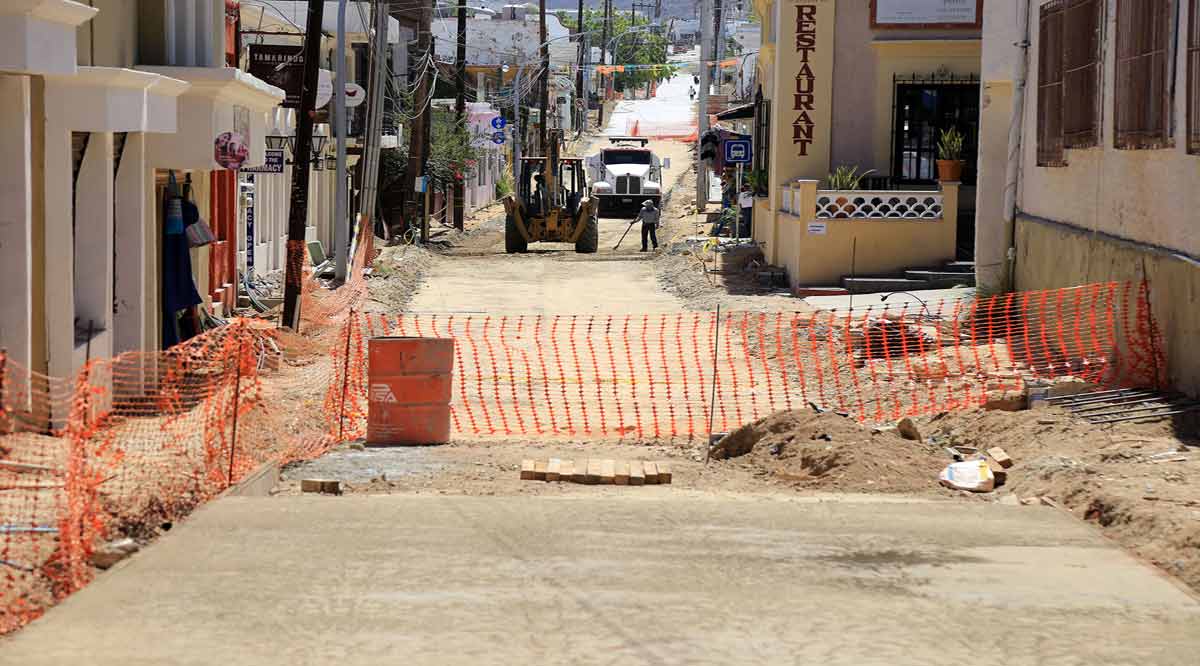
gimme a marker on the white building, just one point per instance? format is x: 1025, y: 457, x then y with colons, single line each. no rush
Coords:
x: 98, y: 102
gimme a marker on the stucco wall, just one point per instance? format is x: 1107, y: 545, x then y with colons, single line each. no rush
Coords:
x: 109, y: 39
x: 1001, y: 56
x: 876, y: 247
x: 1151, y: 196
x: 864, y: 63
x: 1052, y: 255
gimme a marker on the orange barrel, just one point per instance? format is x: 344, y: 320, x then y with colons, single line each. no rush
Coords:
x: 409, y: 390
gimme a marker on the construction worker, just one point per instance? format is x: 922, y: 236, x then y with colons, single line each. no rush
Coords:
x: 648, y: 216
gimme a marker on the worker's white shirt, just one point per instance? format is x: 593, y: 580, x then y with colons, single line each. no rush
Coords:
x: 746, y: 200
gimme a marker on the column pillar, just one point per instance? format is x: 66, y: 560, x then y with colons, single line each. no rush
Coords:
x: 93, y: 247
x: 16, y: 219
x: 129, y: 231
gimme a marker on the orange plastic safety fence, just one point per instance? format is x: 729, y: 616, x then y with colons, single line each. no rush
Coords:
x: 136, y: 441
x: 653, y: 376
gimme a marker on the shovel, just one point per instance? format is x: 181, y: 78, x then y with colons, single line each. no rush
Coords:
x: 635, y: 221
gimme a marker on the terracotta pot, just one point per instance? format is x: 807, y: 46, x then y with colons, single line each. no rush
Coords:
x: 950, y: 171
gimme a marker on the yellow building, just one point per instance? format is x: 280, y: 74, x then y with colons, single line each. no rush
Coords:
x: 866, y: 84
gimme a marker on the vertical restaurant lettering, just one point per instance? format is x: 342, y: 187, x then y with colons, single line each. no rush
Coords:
x: 806, y: 45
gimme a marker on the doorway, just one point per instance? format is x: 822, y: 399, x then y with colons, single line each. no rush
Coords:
x: 924, y: 107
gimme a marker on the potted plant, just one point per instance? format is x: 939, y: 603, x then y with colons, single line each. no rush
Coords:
x: 950, y: 151
x: 846, y: 179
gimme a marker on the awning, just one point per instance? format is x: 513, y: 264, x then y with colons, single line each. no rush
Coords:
x: 743, y: 112
x: 113, y: 99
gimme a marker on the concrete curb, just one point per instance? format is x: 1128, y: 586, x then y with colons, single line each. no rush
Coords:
x: 259, y: 483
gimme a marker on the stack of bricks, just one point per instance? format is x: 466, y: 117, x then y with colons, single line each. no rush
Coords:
x: 597, y: 472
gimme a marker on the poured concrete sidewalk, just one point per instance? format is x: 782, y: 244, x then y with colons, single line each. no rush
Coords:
x: 656, y: 576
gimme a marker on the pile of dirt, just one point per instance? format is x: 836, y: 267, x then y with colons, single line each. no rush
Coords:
x: 396, y: 276
x: 834, y: 453
x: 1136, y: 482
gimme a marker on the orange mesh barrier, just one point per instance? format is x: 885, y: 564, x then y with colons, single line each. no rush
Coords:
x: 139, y: 440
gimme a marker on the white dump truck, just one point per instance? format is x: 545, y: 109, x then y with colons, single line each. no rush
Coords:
x: 625, y: 174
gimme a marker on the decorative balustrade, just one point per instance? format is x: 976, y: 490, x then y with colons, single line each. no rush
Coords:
x: 857, y: 204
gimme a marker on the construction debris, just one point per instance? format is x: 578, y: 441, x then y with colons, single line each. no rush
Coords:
x: 973, y: 475
x: 1000, y: 457
x: 112, y: 552
x: 908, y: 430
x: 322, y: 486
x: 597, y: 472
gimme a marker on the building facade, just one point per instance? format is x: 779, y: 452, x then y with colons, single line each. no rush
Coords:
x: 102, y: 102
x: 1093, y: 132
x: 869, y: 85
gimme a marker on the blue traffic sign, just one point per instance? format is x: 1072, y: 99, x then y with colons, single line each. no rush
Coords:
x: 738, y: 151
x: 499, y: 122
x: 498, y: 138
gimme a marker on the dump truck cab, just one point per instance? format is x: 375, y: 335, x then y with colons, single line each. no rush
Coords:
x: 625, y: 174
x: 551, y: 204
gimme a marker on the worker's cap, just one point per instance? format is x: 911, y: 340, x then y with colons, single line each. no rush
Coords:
x: 648, y: 203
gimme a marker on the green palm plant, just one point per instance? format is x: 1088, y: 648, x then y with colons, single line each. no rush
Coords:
x: 950, y: 145
x: 847, y: 178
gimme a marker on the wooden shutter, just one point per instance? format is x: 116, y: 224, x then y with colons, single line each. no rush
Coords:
x: 1143, y: 104
x: 1050, y: 86
x: 1081, y: 73
x: 1193, y: 78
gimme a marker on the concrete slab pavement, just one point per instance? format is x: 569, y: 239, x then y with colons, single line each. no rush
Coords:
x: 660, y: 576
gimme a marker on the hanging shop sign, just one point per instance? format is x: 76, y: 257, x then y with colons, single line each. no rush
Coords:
x: 281, y: 65
x: 272, y: 164
x: 230, y: 150
x: 927, y: 14
x: 355, y: 94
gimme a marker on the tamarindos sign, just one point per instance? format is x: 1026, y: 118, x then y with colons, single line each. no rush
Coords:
x: 804, y: 96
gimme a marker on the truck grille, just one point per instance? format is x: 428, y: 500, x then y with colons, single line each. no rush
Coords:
x: 629, y: 185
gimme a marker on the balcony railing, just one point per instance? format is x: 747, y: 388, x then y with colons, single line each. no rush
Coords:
x: 860, y: 204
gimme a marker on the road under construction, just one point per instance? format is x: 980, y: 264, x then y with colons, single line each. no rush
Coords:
x: 442, y: 555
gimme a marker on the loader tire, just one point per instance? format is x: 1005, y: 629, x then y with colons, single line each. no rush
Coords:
x: 589, y: 241
x: 514, y: 242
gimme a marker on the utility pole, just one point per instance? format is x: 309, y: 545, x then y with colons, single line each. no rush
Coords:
x: 302, y: 156
x: 460, y: 104
x: 718, y: 42
x: 604, y: 59
x: 427, y: 134
x: 544, y: 102
x: 341, y: 217
x: 581, y: 121
x: 374, y: 125
x: 516, y: 126
x: 706, y: 27
x: 421, y: 101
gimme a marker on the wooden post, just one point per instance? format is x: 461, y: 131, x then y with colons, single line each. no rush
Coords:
x: 237, y: 393
x: 301, y: 157
x: 345, y: 377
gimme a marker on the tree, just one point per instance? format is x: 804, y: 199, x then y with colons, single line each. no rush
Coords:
x: 642, y: 46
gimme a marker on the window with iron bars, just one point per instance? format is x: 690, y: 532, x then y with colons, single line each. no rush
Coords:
x: 1143, y: 82
x: 1069, y: 67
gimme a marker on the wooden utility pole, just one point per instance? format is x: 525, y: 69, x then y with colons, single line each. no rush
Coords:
x: 604, y: 59
x: 301, y: 158
x: 427, y: 136
x: 580, y: 62
x: 460, y: 106
x: 544, y: 100
x: 706, y: 26
x: 404, y: 12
